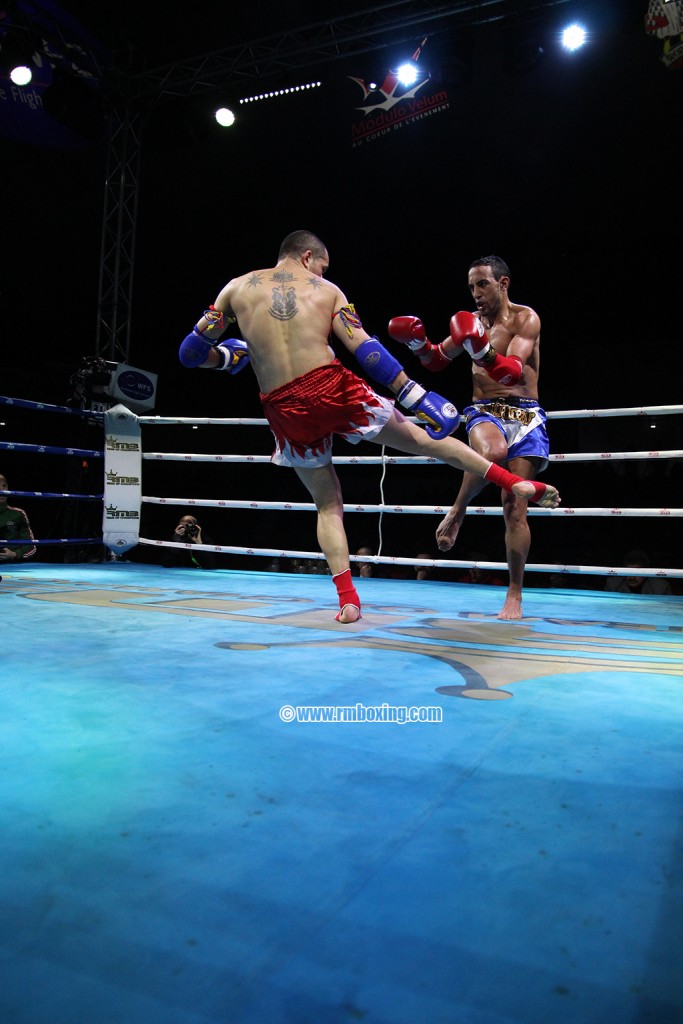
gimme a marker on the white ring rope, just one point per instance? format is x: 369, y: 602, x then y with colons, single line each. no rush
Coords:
x: 406, y: 460
x: 567, y: 414
x: 396, y: 460
x: 436, y: 563
x: 381, y: 508
x: 485, y: 510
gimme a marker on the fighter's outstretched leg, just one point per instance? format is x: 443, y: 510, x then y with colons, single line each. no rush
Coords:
x: 322, y: 484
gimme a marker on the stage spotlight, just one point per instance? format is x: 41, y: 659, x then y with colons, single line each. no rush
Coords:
x: 16, y: 57
x: 574, y: 37
x: 21, y: 74
x: 225, y: 117
x: 407, y: 74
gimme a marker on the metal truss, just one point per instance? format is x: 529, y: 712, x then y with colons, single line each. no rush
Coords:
x: 119, y: 223
x: 319, y: 44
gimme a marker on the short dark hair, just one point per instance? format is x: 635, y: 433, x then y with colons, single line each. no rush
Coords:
x: 297, y: 243
x: 499, y: 267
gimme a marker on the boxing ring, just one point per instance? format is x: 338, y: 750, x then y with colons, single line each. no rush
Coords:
x: 220, y: 804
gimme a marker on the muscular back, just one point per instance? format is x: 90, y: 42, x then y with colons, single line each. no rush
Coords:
x: 285, y: 316
x: 519, y: 333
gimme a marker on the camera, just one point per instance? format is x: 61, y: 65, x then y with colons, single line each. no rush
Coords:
x: 192, y: 530
x: 91, y: 381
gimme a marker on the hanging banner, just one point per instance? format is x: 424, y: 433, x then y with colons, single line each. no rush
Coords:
x: 393, y: 106
x: 122, y: 479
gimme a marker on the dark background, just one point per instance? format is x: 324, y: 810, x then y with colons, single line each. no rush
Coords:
x: 570, y: 172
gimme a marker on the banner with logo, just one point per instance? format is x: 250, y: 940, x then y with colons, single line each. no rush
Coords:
x: 122, y: 479
x: 391, y: 107
x: 134, y: 387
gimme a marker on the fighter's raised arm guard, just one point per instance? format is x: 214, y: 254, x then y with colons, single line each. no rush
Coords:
x: 194, y: 349
x: 440, y: 415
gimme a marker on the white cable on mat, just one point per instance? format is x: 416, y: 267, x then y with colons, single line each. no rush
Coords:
x: 381, y: 495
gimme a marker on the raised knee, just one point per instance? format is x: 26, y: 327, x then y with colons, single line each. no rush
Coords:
x: 494, y: 452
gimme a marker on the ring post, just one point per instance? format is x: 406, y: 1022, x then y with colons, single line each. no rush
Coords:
x: 122, y: 486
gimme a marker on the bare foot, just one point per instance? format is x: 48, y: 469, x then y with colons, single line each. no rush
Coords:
x: 447, y: 530
x: 526, y: 489
x: 512, y: 609
x: 349, y: 613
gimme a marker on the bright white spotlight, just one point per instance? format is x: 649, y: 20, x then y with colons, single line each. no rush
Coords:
x: 225, y: 117
x: 573, y: 37
x: 21, y: 75
x: 407, y: 74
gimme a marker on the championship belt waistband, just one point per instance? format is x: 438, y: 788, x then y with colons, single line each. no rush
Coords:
x: 509, y: 408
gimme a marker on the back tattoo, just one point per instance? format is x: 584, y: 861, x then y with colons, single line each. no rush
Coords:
x: 284, y: 305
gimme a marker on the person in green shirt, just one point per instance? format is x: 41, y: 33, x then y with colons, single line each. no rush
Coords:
x: 14, y: 526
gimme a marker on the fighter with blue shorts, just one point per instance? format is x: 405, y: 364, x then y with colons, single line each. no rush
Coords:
x: 504, y: 421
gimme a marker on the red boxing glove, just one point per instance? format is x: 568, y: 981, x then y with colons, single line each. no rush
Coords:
x: 467, y: 331
x: 505, y: 369
x: 410, y: 331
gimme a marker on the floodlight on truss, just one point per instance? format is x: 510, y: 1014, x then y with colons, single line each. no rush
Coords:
x: 574, y: 36
x: 407, y: 73
x: 225, y: 117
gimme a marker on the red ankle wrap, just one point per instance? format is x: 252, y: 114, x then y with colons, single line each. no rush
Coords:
x: 498, y: 475
x: 345, y: 588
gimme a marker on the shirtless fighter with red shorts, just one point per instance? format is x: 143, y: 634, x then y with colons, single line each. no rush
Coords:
x: 286, y: 315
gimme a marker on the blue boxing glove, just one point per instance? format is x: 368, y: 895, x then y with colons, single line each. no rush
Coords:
x: 234, y: 354
x: 441, y: 416
x: 194, y: 350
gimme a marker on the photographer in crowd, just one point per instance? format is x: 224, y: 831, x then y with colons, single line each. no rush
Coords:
x: 188, y: 531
